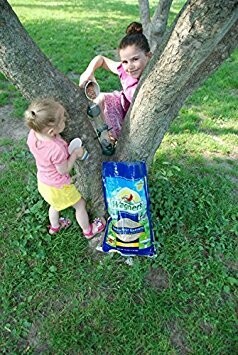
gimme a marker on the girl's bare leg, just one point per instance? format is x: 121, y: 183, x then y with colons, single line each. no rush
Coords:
x: 53, y: 217
x: 100, y: 101
x: 82, y: 215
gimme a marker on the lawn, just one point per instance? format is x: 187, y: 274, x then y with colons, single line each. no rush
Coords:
x: 58, y: 296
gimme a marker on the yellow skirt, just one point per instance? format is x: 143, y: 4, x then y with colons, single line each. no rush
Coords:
x: 59, y: 198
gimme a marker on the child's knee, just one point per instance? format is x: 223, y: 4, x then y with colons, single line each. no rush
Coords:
x: 81, y: 204
x: 100, y: 99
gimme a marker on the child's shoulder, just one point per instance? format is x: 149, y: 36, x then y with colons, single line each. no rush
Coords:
x: 121, y: 71
x: 31, y: 137
x: 127, y: 80
x: 58, y: 140
x: 122, y: 74
x: 59, y: 143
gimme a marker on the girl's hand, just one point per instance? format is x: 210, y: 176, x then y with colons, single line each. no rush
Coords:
x: 86, y: 76
x: 97, y: 62
x: 79, y: 152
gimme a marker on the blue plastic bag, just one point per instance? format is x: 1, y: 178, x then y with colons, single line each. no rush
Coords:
x: 129, y: 228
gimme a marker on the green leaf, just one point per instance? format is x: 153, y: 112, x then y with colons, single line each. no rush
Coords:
x: 53, y: 268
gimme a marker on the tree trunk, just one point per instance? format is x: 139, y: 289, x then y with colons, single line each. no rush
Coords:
x: 204, y: 36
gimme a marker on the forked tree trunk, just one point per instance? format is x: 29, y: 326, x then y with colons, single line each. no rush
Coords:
x: 204, y: 36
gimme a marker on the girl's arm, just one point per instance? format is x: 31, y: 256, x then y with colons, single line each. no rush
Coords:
x: 68, y: 164
x: 98, y: 62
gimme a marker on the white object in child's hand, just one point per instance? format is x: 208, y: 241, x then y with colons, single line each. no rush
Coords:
x: 74, y: 144
x: 77, y: 143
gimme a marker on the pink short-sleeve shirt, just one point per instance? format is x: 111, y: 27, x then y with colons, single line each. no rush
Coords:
x: 129, y: 85
x: 47, y: 155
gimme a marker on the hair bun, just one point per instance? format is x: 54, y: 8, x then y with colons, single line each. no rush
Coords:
x: 134, y: 28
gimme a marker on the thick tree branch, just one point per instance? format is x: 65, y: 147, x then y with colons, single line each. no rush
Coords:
x: 162, y: 10
x: 155, y: 28
x: 160, y: 17
x: 144, y: 13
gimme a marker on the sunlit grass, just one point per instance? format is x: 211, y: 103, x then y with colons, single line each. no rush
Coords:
x: 57, y: 296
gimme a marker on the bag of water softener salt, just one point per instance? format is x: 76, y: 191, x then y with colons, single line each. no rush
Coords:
x: 129, y: 228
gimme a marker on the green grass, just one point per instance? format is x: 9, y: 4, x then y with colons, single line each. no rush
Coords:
x: 57, y: 296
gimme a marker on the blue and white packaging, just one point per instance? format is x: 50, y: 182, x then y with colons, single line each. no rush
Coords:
x: 129, y: 228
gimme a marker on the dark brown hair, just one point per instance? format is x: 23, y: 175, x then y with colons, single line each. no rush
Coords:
x: 135, y: 36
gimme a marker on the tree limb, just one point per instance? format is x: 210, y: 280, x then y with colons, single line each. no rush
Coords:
x: 154, y: 29
x: 160, y: 17
x: 144, y: 8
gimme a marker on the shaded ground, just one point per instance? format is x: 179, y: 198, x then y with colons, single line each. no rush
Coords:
x: 10, y: 127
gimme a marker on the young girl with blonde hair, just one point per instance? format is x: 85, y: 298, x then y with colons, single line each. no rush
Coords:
x: 46, y: 120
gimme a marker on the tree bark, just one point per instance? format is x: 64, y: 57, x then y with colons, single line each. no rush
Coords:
x: 204, y: 36
x: 154, y: 28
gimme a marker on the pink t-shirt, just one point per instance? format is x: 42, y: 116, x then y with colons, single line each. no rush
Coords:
x: 129, y: 85
x: 47, y: 154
